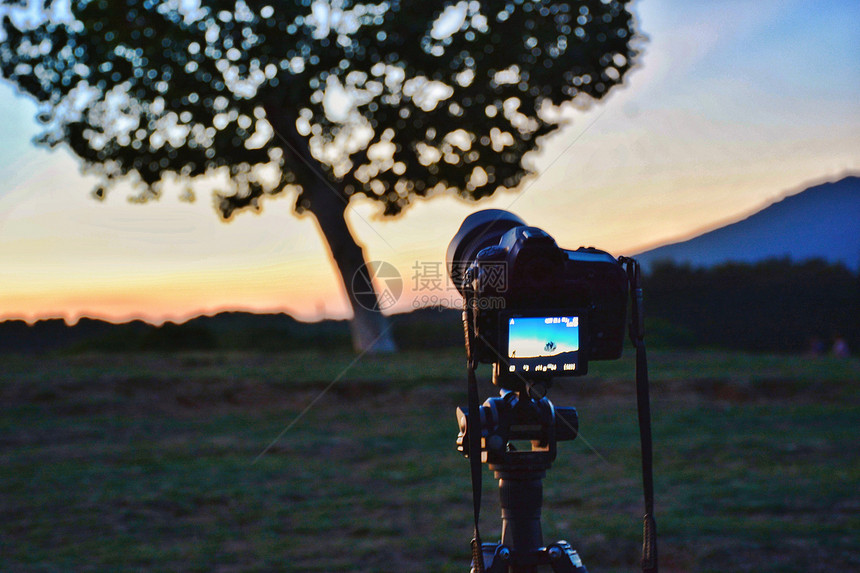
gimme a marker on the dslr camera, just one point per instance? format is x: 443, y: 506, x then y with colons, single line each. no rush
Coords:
x: 534, y: 310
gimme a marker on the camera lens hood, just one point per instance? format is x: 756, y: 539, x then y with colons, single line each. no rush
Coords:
x: 479, y: 230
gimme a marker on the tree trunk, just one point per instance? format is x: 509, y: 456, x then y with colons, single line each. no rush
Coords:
x: 370, y: 329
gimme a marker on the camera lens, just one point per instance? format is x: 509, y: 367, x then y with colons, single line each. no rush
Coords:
x: 479, y: 230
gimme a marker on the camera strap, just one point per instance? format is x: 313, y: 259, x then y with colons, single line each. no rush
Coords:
x: 474, y: 428
x: 643, y: 402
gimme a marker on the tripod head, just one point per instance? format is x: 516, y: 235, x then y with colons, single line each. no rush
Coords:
x: 515, y: 418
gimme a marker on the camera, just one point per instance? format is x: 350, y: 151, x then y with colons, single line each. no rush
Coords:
x: 534, y: 310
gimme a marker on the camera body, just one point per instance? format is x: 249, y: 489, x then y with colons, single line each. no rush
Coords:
x: 537, y: 311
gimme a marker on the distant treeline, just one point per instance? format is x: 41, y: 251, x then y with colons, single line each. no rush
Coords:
x: 239, y: 331
x: 773, y: 306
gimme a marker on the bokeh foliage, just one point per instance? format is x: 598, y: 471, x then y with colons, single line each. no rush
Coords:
x: 394, y: 99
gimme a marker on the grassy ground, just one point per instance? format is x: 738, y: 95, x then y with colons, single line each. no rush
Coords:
x: 153, y: 462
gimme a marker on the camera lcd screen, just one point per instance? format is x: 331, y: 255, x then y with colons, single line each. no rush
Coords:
x: 543, y: 345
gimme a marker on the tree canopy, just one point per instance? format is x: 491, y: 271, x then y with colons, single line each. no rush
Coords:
x: 395, y: 99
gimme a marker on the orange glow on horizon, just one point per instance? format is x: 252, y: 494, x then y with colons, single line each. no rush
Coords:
x: 174, y: 298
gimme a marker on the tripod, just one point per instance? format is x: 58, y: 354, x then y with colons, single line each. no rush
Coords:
x: 517, y: 417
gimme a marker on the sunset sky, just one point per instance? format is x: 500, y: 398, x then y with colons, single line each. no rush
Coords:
x: 732, y: 106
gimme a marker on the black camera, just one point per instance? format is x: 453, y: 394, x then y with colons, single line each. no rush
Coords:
x: 534, y: 310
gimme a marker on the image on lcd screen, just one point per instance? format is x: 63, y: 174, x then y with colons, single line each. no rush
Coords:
x: 535, y: 337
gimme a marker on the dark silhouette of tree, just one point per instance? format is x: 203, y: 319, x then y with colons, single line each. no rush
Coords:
x: 775, y: 305
x: 330, y: 99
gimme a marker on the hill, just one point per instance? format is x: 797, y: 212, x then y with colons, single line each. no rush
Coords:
x: 821, y: 222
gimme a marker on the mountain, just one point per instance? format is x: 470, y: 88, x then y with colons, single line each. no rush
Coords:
x: 821, y: 222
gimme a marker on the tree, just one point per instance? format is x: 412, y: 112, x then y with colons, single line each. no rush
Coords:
x: 330, y: 99
x: 774, y: 305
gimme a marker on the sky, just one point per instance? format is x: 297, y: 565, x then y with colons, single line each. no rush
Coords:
x: 733, y: 105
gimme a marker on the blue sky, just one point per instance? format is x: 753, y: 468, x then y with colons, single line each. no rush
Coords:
x: 732, y: 106
x: 528, y: 336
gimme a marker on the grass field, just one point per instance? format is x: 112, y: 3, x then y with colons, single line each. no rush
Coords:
x: 153, y: 462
